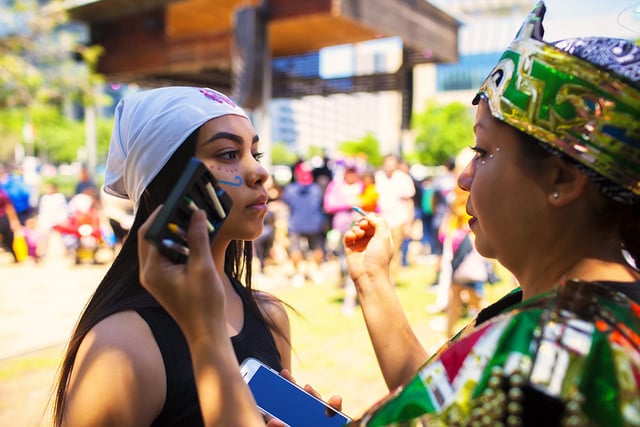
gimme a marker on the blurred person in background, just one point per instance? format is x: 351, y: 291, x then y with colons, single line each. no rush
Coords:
x: 426, y: 215
x: 264, y: 246
x: 13, y: 183
x: 84, y: 180
x: 306, y: 225
x: 368, y: 199
x: 340, y: 197
x: 415, y: 212
x: 469, y: 269
x: 395, y: 203
x: 119, y: 215
x: 9, y: 224
x: 443, y: 186
x: 52, y: 211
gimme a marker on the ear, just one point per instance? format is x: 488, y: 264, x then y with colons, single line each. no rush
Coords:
x: 569, y: 183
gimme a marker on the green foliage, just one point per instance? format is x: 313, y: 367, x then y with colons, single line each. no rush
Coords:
x: 368, y: 146
x: 11, y: 122
x: 281, y: 154
x: 66, y: 184
x: 61, y: 138
x: 442, y: 131
x: 57, y: 138
x: 44, y: 67
x: 314, y: 151
x: 37, y: 57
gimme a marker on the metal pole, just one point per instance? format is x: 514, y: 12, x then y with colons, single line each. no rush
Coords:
x: 265, y: 118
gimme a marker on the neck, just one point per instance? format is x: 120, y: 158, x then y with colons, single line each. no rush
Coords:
x: 218, y: 251
x: 590, y: 269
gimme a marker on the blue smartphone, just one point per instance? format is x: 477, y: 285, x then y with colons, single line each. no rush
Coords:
x: 277, y: 397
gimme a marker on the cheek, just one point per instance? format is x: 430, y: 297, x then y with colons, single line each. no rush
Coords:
x: 223, y: 171
x: 226, y: 170
x: 488, y: 193
x: 227, y: 175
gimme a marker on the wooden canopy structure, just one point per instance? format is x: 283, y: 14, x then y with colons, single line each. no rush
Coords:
x: 190, y: 41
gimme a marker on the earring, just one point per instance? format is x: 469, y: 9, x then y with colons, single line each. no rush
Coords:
x: 555, y: 195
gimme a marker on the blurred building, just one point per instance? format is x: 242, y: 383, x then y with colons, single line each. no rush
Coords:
x: 328, y: 120
x: 339, y: 93
x: 487, y: 28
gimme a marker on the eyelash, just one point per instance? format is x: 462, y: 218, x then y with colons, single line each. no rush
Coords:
x: 479, y: 151
x: 235, y: 153
x: 227, y: 155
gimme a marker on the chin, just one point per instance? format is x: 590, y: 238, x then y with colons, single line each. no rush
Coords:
x: 252, y: 236
x: 484, y: 249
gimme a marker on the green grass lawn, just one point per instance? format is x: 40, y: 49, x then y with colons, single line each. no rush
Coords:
x: 332, y: 352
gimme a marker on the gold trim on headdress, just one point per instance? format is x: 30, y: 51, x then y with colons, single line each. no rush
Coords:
x: 588, y: 113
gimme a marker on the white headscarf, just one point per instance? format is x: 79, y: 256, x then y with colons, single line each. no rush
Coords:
x: 150, y: 126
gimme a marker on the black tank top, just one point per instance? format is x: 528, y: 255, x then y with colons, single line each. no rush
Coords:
x: 181, y: 406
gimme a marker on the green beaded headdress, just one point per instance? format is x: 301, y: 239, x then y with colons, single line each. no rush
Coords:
x: 579, y: 97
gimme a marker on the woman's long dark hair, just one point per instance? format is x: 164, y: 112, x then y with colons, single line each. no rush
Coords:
x: 120, y: 289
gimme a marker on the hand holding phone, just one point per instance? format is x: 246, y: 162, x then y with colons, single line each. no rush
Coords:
x: 280, y: 398
x: 196, y: 189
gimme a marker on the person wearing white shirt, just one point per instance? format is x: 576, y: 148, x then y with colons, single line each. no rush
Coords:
x: 395, y: 204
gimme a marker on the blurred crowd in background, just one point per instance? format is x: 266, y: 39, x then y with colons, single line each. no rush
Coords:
x: 310, y: 208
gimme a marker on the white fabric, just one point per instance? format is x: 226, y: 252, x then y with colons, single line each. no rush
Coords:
x: 394, y: 197
x: 150, y: 126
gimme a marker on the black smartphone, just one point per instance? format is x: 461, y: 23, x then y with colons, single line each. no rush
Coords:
x: 280, y: 398
x: 196, y: 188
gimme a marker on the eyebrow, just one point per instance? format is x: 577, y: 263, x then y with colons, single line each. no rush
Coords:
x: 232, y: 136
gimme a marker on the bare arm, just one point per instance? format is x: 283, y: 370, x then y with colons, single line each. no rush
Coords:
x: 399, y: 353
x: 193, y: 294
x: 118, y: 375
x: 12, y: 216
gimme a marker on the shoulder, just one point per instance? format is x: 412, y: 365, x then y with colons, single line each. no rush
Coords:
x: 119, y: 366
x: 272, y: 307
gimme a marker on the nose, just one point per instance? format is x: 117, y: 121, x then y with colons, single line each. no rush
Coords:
x: 259, y: 174
x: 466, y: 177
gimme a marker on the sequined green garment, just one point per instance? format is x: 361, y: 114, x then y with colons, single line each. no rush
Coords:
x: 570, y: 357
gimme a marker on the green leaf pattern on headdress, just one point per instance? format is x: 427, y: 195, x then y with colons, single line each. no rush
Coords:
x: 579, y: 96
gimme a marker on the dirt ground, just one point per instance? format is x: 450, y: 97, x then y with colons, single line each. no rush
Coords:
x: 25, y: 392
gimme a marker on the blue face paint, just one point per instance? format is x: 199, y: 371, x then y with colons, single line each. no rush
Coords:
x: 237, y: 182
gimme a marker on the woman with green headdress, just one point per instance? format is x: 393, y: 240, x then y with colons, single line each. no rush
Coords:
x: 554, y: 195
